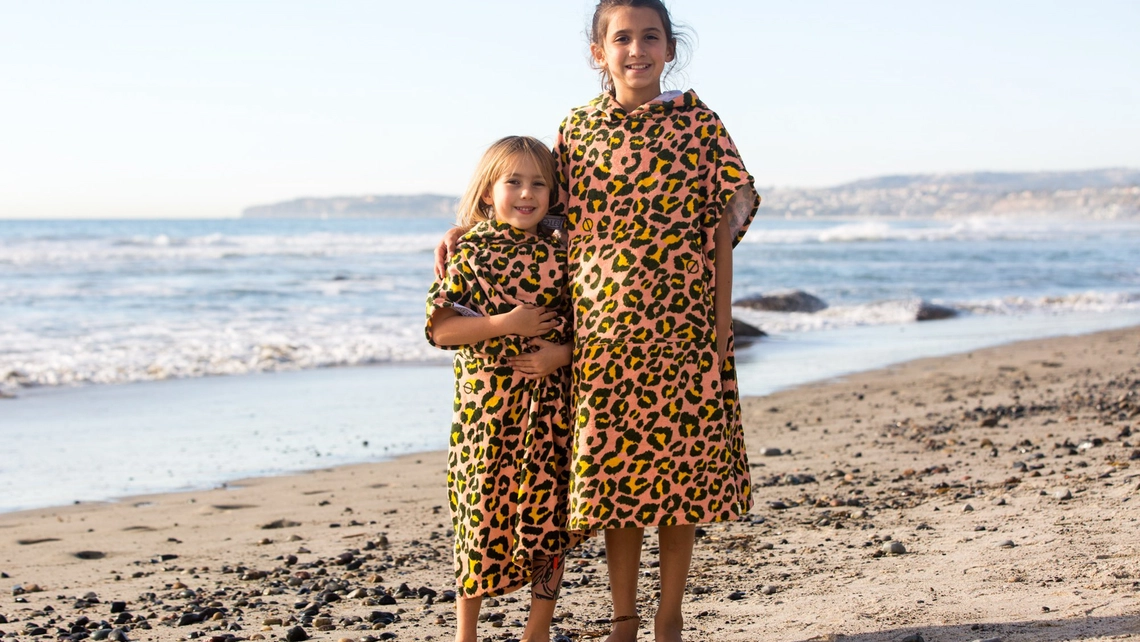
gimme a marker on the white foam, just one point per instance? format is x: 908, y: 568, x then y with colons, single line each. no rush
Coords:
x: 965, y: 230
x: 904, y: 311
x: 93, y: 253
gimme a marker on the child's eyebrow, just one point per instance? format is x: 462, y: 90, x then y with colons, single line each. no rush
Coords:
x: 645, y: 30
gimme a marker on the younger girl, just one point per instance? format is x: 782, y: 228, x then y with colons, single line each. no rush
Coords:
x: 502, y: 302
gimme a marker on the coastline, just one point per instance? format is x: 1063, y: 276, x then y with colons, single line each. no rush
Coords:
x: 890, y: 455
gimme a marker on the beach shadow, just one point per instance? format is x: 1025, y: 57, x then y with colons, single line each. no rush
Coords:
x: 1060, y: 630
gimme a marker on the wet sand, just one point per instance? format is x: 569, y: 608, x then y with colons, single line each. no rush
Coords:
x: 1009, y: 476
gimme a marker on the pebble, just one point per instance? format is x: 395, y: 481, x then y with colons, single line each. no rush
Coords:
x: 894, y: 548
x: 913, y: 637
x: 296, y: 634
x: 1007, y: 543
x: 1063, y: 494
x: 768, y: 589
x: 771, y: 452
x: 736, y: 595
x: 967, y: 509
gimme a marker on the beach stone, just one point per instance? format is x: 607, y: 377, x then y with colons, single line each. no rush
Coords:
x: 118, y: 635
x: 894, y: 548
x: 771, y: 452
x: 296, y: 634
x: 1062, y: 494
x: 118, y: 607
x: 272, y: 621
x: 967, y: 509
x: 736, y: 595
x: 932, y: 312
x: 768, y: 589
x: 792, y: 301
x: 1007, y: 543
x: 913, y: 637
x: 3, y: 620
x: 746, y: 332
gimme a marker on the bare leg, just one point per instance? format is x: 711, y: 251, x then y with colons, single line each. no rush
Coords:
x: 545, y: 581
x: 676, y: 555
x: 467, y: 616
x: 623, y: 556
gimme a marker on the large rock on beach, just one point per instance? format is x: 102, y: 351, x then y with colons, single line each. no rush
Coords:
x: 927, y: 311
x: 746, y: 333
x: 792, y: 301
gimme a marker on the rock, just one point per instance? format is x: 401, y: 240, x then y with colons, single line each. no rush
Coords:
x: 736, y: 595
x: 279, y: 523
x: 930, y: 312
x: 296, y: 634
x: 771, y: 452
x: 90, y: 555
x: 793, y: 301
x: 272, y: 621
x: 768, y: 589
x: 3, y: 620
x: 894, y: 548
x: 118, y: 607
x: 967, y: 509
x: 1062, y: 494
x: 118, y: 635
x: 746, y: 332
x: 1006, y: 543
x: 913, y: 637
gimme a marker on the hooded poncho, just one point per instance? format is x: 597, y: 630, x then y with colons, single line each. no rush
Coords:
x: 508, y: 464
x: 658, y: 437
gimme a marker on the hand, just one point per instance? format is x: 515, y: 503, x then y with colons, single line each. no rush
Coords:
x: 445, y: 248
x: 546, y: 360
x: 531, y: 320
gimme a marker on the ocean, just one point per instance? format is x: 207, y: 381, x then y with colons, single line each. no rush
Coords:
x: 153, y: 355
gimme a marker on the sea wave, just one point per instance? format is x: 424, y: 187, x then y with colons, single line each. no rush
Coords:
x: 210, y: 247
x: 116, y: 354
x: 903, y: 311
x: 965, y: 230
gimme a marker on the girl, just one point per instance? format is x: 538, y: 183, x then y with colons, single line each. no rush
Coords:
x: 502, y: 302
x: 656, y: 198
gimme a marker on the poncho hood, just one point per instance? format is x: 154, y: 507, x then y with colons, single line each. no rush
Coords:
x: 608, y: 107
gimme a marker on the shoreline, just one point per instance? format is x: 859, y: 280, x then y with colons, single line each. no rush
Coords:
x: 1010, y: 476
x: 98, y: 443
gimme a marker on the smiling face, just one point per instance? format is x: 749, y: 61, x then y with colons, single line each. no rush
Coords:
x: 521, y: 195
x: 634, y: 52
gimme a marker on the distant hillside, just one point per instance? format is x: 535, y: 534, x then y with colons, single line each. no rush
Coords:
x: 424, y: 205
x: 1103, y: 193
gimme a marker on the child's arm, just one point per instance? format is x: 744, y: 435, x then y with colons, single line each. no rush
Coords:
x: 445, y: 248
x: 722, y: 257
x: 548, y: 358
x: 449, y: 328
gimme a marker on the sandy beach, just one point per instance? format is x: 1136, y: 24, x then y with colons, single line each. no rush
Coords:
x: 992, y: 495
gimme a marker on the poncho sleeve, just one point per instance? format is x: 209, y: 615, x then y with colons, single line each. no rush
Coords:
x: 734, y: 189
x: 454, y: 290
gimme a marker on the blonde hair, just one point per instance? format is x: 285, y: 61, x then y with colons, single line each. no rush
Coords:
x: 496, y: 160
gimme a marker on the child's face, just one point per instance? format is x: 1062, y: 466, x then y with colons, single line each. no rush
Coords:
x: 634, y: 52
x: 520, y: 196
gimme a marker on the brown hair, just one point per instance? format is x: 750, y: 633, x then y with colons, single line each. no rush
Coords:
x: 675, y: 34
x: 495, y: 161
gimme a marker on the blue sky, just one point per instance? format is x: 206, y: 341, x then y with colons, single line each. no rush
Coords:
x: 198, y: 109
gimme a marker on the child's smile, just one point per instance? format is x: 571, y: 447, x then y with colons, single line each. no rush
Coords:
x: 521, y: 196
